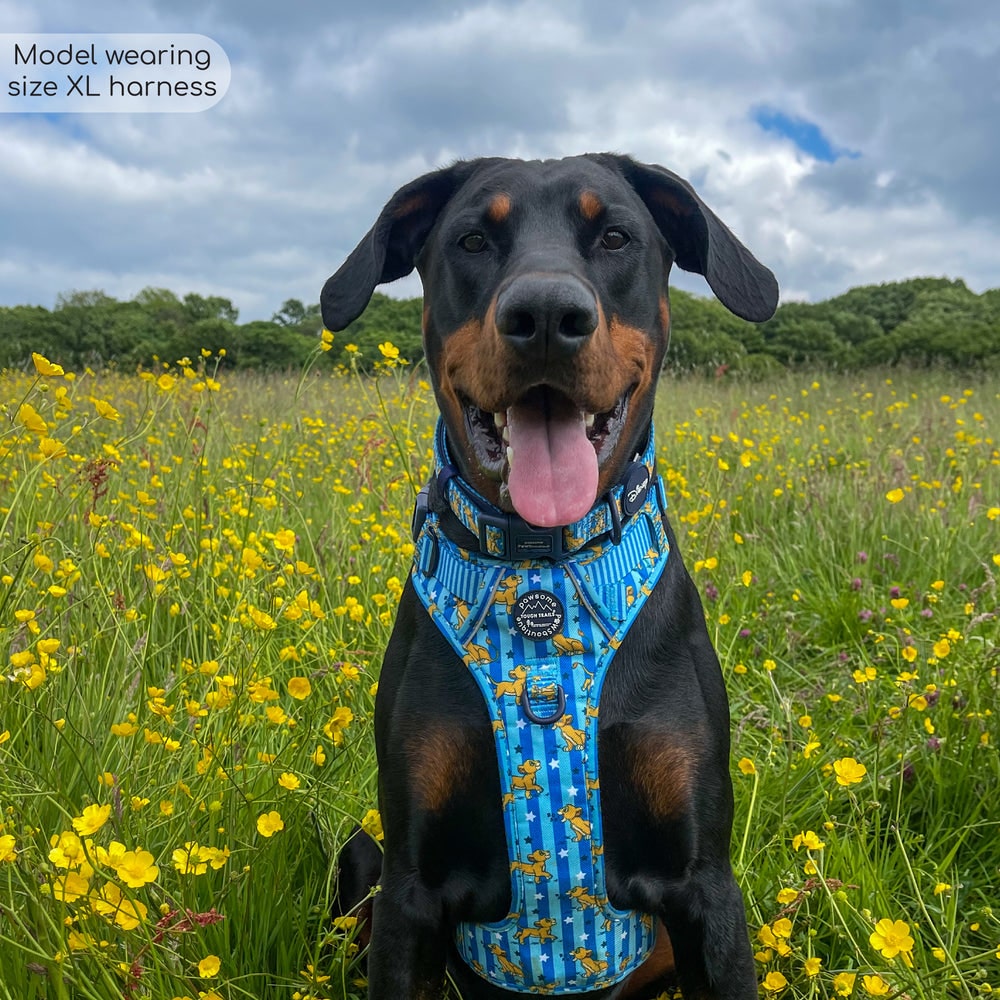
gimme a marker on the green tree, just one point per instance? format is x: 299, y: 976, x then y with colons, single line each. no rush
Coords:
x: 397, y: 321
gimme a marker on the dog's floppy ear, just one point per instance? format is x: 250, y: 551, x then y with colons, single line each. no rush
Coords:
x: 702, y: 243
x: 390, y: 249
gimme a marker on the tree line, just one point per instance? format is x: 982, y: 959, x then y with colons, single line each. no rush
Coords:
x: 921, y: 322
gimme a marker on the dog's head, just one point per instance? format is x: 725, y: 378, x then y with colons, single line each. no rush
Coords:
x: 546, y: 314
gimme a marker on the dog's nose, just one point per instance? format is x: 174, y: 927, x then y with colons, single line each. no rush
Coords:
x: 546, y: 316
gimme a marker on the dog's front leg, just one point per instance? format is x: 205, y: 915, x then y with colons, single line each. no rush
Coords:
x: 409, y: 943
x: 708, y: 932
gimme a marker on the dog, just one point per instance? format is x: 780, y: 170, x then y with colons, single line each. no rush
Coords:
x: 546, y: 318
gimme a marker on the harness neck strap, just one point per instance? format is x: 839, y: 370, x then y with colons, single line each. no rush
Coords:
x: 507, y: 536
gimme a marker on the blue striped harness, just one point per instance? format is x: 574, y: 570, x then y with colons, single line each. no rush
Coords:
x: 537, y: 615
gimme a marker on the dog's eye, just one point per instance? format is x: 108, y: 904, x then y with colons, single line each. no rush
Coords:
x: 473, y: 243
x: 615, y: 239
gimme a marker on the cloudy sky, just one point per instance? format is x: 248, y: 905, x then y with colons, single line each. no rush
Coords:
x: 846, y: 141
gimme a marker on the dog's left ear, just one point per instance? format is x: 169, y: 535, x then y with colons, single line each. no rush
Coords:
x: 701, y: 242
x: 390, y: 249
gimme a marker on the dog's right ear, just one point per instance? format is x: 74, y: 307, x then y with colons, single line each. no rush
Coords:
x: 390, y: 249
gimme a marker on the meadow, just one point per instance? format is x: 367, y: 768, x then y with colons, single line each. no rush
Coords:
x: 198, y: 573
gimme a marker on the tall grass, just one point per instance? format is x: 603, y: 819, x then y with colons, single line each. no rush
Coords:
x: 199, y: 574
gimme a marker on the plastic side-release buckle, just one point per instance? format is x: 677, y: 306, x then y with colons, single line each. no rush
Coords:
x: 506, y: 535
x: 420, y: 508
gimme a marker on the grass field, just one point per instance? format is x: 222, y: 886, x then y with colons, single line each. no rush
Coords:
x: 199, y: 575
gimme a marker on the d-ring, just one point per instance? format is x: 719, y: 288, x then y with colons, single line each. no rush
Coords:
x: 546, y: 720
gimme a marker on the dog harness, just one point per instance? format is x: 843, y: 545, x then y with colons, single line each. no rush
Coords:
x: 537, y: 615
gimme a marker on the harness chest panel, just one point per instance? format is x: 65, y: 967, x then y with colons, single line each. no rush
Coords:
x: 538, y: 637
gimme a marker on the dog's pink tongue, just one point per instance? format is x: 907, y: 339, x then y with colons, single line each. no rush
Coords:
x: 553, y: 468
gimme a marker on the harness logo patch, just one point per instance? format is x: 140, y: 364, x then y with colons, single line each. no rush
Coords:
x: 538, y: 615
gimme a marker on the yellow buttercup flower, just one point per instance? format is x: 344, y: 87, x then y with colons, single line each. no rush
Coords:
x: 891, y: 938
x: 774, y: 981
x: 843, y: 983
x: 136, y: 869
x: 32, y: 419
x: 269, y: 823
x: 299, y: 687
x: 91, y: 819
x: 284, y: 540
x: 209, y: 966
x: 809, y: 840
x: 262, y: 619
x: 45, y: 367
x: 105, y: 409
x: 849, y: 771
x: 876, y: 986
x: 110, y: 902
x: 371, y: 823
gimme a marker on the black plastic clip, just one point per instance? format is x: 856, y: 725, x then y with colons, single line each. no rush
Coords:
x: 520, y: 540
x: 419, y: 513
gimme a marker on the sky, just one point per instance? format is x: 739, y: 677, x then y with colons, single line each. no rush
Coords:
x: 846, y: 142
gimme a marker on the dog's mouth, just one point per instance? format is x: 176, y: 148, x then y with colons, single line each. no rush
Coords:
x: 547, y: 451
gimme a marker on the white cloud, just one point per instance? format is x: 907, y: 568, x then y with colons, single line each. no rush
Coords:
x: 261, y: 197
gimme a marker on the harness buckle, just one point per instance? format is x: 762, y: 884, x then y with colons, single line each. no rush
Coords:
x: 511, y: 536
x: 420, y: 508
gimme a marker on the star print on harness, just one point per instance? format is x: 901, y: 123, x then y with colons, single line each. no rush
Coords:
x: 537, y: 615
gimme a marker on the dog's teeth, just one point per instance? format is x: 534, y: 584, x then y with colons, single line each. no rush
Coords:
x: 505, y: 434
x: 510, y: 455
x: 500, y: 419
x: 588, y: 420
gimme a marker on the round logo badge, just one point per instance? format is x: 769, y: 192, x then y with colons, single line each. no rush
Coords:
x: 538, y: 615
x: 634, y: 488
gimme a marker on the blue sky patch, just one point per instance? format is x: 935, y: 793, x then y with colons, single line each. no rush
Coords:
x: 806, y: 135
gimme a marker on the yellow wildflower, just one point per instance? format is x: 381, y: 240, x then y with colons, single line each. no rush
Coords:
x: 843, y: 983
x: 92, y: 819
x: 809, y: 840
x: 876, y: 986
x: 891, y: 938
x: 269, y: 823
x: 299, y: 687
x: 371, y: 823
x: 774, y: 981
x: 209, y: 966
x: 849, y: 771
x: 45, y: 367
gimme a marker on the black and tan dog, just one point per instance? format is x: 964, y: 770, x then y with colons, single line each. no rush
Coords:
x: 546, y: 317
